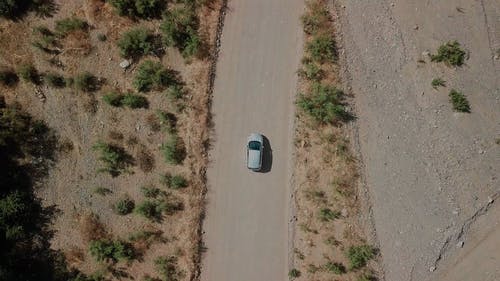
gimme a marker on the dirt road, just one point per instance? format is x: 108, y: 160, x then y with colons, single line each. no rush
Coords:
x: 428, y: 169
x: 247, y: 214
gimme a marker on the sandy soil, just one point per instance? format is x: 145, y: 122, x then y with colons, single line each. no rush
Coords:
x: 428, y: 169
x: 247, y: 217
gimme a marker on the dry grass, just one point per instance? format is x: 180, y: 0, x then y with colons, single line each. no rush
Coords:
x: 81, y: 119
x: 325, y: 175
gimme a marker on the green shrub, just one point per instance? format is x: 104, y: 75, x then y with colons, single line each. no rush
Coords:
x: 173, y: 181
x: 102, y: 191
x: 150, y: 191
x: 168, y: 121
x: 438, y: 82
x: 322, y: 48
x: 316, y: 18
x: 366, y: 277
x: 311, y: 71
x: 124, y: 206
x: 173, y: 150
x: 294, y: 273
x: 28, y: 73
x: 450, y: 53
x: 168, y: 269
x: 114, y: 159
x: 335, y: 267
x: 323, y: 103
x: 139, y: 8
x: 359, y: 255
x: 154, y: 209
x: 136, y: 42
x: 8, y: 78
x: 459, y: 101
x: 179, y: 29
x: 54, y: 80
x: 113, y: 99
x: 153, y: 75
x: 326, y: 214
x: 86, y: 82
x: 67, y: 25
x: 109, y: 250
x: 134, y: 101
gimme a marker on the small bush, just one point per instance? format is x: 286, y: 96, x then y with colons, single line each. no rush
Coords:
x: 316, y: 18
x: 323, y: 103
x: 153, y: 75
x: 109, y: 250
x: 54, y: 80
x: 179, y: 29
x: 28, y: 73
x: 67, y: 25
x: 102, y: 191
x: 136, y: 42
x: 8, y: 78
x: 366, y: 277
x: 168, y: 121
x: 322, y: 48
x: 173, y: 150
x: 459, y: 101
x: 326, y: 214
x: 450, y: 53
x: 150, y: 191
x: 113, y: 99
x: 124, y: 206
x: 134, y: 101
x: 174, y: 181
x: 335, y: 267
x: 114, y: 159
x: 311, y: 71
x: 149, y: 209
x: 359, y: 255
x: 294, y: 273
x: 438, y: 82
x: 168, y: 269
x: 139, y: 8
x: 86, y: 82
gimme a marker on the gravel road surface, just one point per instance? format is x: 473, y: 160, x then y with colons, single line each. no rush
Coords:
x: 429, y: 170
x: 246, y: 228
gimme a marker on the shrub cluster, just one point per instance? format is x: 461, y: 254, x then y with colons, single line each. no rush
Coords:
x: 180, y: 30
x: 326, y: 214
x: 124, y: 206
x: 111, y: 250
x: 316, y: 19
x: 450, y: 53
x: 67, y: 25
x: 173, y: 150
x: 324, y: 104
x: 86, y: 82
x: 154, y: 209
x: 54, y: 80
x: 136, y: 42
x: 28, y: 73
x: 129, y: 100
x: 168, y: 269
x: 174, y: 181
x: 322, y: 48
x: 459, y: 101
x: 139, y: 8
x: 8, y: 77
x: 152, y: 75
x: 114, y: 159
x: 359, y: 255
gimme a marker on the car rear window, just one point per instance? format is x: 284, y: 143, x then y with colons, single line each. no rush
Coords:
x: 254, y: 145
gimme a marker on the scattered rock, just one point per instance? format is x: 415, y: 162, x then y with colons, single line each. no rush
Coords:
x: 432, y: 268
x: 426, y: 53
x: 460, y: 244
x: 125, y: 64
x: 344, y: 213
x: 415, y: 27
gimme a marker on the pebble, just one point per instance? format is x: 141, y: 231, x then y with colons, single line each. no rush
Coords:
x: 432, y: 268
x: 125, y: 64
x: 460, y: 244
x: 415, y: 27
x: 426, y: 53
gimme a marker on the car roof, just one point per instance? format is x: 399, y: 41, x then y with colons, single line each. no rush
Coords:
x: 255, y: 137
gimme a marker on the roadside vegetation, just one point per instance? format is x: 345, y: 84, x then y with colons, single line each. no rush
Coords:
x: 459, y: 101
x: 328, y: 189
x: 451, y: 53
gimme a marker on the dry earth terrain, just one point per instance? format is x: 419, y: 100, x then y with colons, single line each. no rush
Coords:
x: 431, y: 173
x: 84, y: 198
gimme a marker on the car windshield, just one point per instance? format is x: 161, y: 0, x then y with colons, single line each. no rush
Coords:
x: 254, y: 145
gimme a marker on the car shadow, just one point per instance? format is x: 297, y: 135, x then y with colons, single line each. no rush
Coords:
x: 267, y: 157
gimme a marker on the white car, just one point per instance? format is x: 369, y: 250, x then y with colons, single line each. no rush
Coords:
x: 255, y: 148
